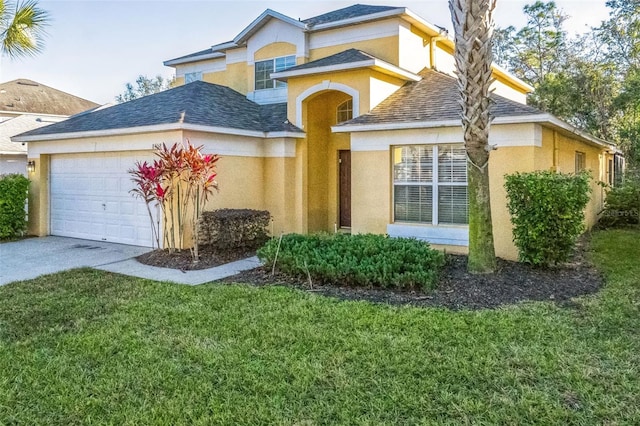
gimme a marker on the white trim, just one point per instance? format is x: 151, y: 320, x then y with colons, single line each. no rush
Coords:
x: 516, y: 119
x: 379, y: 65
x: 156, y: 129
x: 327, y: 85
x: 441, y: 234
x: 178, y: 61
x: 258, y: 23
x: 224, y: 46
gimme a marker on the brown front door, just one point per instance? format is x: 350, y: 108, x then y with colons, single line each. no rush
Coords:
x: 345, y: 188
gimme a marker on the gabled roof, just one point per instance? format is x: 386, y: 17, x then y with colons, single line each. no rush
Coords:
x: 196, y: 105
x: 434, y: 102
x: 435, y: 99
x: 27, y: 96
x: 350, y: 12
x: 347, y: 60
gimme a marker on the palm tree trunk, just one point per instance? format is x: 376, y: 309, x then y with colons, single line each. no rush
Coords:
x: 473, y: 26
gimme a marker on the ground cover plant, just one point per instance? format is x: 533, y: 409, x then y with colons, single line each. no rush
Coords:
x: 91, y: 347
x: 355, y: 260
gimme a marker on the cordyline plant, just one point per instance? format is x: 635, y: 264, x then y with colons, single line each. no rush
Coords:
x: 180, y: 182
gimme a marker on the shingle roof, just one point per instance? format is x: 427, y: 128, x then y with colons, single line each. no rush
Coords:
x: 346, y: 57
x: 354, y: 11
x: 434, y: 98
x: 31, y: 97
x: 196, y: 103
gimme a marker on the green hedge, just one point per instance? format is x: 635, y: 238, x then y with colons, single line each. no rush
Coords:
x: 356, y: 260
x: 234, y: 228
x: 13, y: 198
x: 622, y: 205
x: 547, y: 213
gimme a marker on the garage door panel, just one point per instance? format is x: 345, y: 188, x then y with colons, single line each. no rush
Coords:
x: 90, y: 198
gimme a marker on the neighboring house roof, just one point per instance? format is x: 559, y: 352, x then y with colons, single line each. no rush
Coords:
x: 434, y: 102
x: 196, y: 105
x: 354, y: 11
x: 346, y: 60
x: 17, y: 125
x: 26, y: 96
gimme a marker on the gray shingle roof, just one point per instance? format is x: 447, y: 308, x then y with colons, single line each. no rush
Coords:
x: 434, y: 98
x: 32, y: 97
x: 197, y: 103
x: 346, y: 57
x: 354, y: 11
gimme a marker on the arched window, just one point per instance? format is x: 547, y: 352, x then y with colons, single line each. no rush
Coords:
x: 345, y: 111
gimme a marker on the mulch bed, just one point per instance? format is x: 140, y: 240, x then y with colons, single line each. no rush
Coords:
x: 182, y: 259
x: 513, y: 282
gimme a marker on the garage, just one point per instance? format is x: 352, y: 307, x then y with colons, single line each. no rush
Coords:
x: 90, y: 198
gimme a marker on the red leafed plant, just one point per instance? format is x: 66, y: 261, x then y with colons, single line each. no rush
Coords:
x: 180, y: 182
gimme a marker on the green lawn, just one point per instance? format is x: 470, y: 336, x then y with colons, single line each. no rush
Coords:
x: 89, y: 347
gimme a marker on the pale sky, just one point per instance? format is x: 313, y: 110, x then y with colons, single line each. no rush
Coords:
x: 94, y: 47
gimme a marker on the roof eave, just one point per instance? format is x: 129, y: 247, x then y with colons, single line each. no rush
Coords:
x: 261, y: 20
x: 376, y: 64
x: 156, y: 129
x: 186, y: 60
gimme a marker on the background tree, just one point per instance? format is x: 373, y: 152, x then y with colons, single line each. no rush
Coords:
x: 144, y: 86
x: 473, y: 27
x: 22, y: 28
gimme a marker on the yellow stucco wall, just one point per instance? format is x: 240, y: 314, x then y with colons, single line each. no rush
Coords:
x: 235, y: 77
x: 274, y: 50
x: 370, y: 191
x: 385, y: 48
x: 39, y: 197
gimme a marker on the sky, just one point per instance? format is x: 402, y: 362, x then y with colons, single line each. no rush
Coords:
x: 94, y: 47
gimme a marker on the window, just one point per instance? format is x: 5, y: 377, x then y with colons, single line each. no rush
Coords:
x: 345, y: 111
x: 581, y: 161
x: 265, y: 68
x: 430, y: 184
x: 190, y: 77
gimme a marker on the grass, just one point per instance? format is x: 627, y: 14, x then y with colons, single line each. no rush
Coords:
x: 90, y: 347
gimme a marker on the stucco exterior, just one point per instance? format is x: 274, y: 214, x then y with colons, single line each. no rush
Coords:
x: 342, y: 70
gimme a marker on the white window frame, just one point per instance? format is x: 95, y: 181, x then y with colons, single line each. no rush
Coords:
x: 435, y: 187
x: 346, y: 109
x: 288, y: 62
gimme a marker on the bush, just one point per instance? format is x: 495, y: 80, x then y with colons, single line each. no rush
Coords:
x: 547, y: 213
x: 622, y: 205
x: 234, y: 228
x: 355, y: 260
x: 13, y: 197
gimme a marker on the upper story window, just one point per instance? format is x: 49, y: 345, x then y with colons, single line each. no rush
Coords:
x: 430, y: 184
x: 581, y: 161
x: 190, y: 77
x: 265, y: 68
x: 345, y: 111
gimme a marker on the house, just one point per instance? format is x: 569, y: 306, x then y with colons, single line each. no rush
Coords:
x: 344, y: 121
x: 26, y: 105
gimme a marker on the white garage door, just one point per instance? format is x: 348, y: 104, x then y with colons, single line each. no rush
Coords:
x: 90, y: 199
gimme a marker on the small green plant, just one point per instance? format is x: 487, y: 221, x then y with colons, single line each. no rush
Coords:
x: 547, y: 214
x: 13, y: 197
x: 355, y: 260
x: 622, y: 205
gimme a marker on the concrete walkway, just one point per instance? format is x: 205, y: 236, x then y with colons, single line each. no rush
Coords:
x: 32, y: 257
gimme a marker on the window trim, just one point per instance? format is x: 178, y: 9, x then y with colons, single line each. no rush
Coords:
x: 345, y: 107
x: 435, y: 185
x: 197, y: 76
x: 580, y: 161
x: 275, y: 83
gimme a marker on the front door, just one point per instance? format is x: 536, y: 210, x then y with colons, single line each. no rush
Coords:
x: 345, y: 188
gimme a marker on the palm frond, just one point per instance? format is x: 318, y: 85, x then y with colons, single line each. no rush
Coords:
x: 23, y: 25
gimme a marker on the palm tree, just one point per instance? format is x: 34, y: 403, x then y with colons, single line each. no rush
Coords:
x: 473, y: 26
x: 22, y: 28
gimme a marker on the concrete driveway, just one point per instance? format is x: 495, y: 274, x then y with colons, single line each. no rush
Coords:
x: 30, y: 258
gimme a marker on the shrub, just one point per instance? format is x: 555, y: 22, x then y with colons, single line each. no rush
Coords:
x: 234, y: 228
x: 13, y: 197
x: 622, y: 205
x: 355, y: 260
x: 547, y: 213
